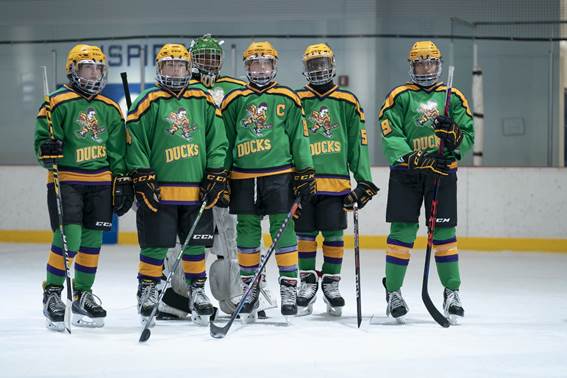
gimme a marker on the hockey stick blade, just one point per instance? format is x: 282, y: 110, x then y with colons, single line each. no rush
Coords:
x: 220, y: 332
x: 146, y: 333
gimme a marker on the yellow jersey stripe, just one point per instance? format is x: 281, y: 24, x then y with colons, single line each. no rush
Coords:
x: 144, y: 105
x: 233, y: 95
x: 349, y: 97
x: 235, y: 175
x: 110, y: 102
x: 67, y: 176
x: 395, y: 93
x: 286, y: 92
x: 231, y: 80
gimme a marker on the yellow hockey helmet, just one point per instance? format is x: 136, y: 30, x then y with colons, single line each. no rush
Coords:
x: 81, y: 55
x: 260, y: 62
x: 260, y: 49
x: 425, y: 57
x: 173, y: 66
x: 319, y: 63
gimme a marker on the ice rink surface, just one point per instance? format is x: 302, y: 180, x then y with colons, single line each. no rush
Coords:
x: 515, y: 326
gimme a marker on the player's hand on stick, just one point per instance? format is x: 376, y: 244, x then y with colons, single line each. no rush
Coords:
x: 214, y: 188
x: 145, y: 186
x: 122, y: 194
x: 429, y: 162
x: 448, y: 131
x: 363, y: 193
x: 51, y: 151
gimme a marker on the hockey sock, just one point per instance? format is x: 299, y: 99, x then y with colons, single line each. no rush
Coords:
x: 399, y: 243
x: 286, y: 247
x: 248, y: 239
x: 194, y: 263
x: 333, y: 251
x: 86, y: 262
x: 447, y: 257
x: 307, y: 246
x: 55, y: 263
x: 151, y: 263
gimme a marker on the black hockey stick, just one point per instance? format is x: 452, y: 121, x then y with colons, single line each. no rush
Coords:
x: 146, y: 333
x: 220, y: 332
x: 437, y: 316
x: 59, y: 200
x: 357, y: 264
x: 124, y: 77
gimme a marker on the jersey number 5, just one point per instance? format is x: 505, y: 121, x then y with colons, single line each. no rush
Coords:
x: 363, y: 137
x: 386, y: 129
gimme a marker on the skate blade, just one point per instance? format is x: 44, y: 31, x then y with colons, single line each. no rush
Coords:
x: 201, y: 320
x: 304, y: 311
x: 333, y: 311
x: 55, y: 326
x: 454, y: 319
x: 87, y: 322
x: 249, y: 318
x: 144, y: 320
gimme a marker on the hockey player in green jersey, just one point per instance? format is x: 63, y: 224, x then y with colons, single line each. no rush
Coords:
x: 176, y: 149
x: 89, y: 147
x: 413, y: 124
x: 339, y: 146
x: 270, y: 162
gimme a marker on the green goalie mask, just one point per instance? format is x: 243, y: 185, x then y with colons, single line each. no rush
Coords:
x: 207, y: 58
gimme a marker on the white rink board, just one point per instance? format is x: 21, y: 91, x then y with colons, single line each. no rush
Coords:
x: 515, y: 326
x: 492, y: 202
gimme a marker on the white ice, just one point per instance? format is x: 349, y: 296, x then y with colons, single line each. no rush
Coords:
x: 515, y: 326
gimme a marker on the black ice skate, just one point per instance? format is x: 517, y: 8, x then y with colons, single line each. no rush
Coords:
x: 53, y: 308
x: 332, y: 296
x: 249, y: 311
x: 288, y: 292
x: 452, y: 305
x: 147, y: 298
x: 397, y: 307
x: 199, y: 303
x: 173, y: 306
x: 87, y: 310
x: 306, y: 295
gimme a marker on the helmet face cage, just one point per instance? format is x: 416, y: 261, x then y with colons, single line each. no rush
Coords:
x: 320, y: 70
x: 261, y: 70
x: 89, y: 84
x: 427, y: 79
x: 208, y: 62
x: 171, y: 81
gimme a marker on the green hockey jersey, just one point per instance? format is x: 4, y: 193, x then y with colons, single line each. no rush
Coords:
x: 266, y: 131
x: 92, y: 131
x: 406, y: 120
x: 223, y: 85
x: 337, y: 134
x: 179, y: 136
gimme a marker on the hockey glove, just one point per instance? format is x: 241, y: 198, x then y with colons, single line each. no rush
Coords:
x: 430, y: 162
x: 122, y: 194
x: 214, y: 187
x: 304, y: 184
x: 51, y: 151
x: 448, y: 131
x: 147, y: 191
x: 363, y: 193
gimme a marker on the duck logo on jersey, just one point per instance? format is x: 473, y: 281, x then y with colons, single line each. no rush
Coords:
x: 428, y: 112
x: 322, y: 121
x: 89, y: 126
x: 257, y: 119
x: 180, y: 124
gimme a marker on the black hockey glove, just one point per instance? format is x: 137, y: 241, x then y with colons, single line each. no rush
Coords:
x: 448, y: 131
x: 213, y: 188
x: 122, y: 194
x: 51, y: 151
x: 430, y: 162
x: 147, y: 191
x: 363, y: 193
x: 304, y: 184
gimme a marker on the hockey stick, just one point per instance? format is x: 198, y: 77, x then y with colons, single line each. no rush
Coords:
x: 437, y: 316
x: 220, y: 332
x: 357, y: 264
x: 59, y: 200
x: 124, y: 77
x: 146, y: 333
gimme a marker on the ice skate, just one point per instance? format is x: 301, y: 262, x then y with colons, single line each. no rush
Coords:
x: 249, y: 312
x: 87, y: 310
x: 200, y: 304
x: 53, y: 308
x: 306, y: 295
x: 332, y: 296
x: 397, y: 307
x: 288, y: 291
x: 452, y: 306
x: 147, y: 298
